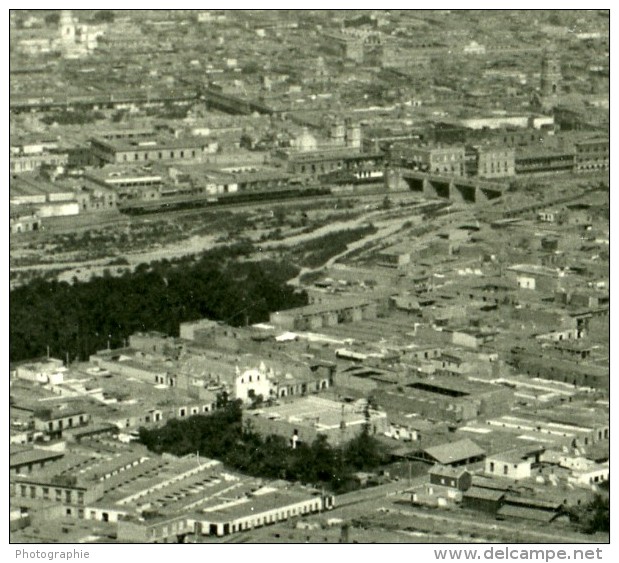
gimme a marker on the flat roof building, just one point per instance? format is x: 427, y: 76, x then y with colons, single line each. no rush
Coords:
x: 156, y: 149
x: 304, y: 419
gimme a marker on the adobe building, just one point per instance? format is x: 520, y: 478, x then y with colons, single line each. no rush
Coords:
x: 312, y: 317
x: 452, y: 477
x: 514, y: 464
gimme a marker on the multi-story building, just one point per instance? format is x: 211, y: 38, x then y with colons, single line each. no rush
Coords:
x: 448, y: 161
x: 67, y: 490
x: 129, y: 183
x: 535, y: 160
x: 23, y: 220
x: 54, y: 421
x: 126, y: 151
x: 592, y: 155
x: 495, y: 162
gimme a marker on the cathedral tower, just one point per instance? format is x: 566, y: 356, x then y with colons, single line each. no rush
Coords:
x: 551, y: 73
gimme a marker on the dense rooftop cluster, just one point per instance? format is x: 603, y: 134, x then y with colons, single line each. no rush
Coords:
x: 309, y: 275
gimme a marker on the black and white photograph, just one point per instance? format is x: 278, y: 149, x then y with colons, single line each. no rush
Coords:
x: 309, y: 276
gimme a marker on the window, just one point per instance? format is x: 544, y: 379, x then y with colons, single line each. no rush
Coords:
x: 505, y: 470
x: 58, y: 493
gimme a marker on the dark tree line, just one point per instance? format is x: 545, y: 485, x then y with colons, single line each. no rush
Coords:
x: 81, y: 318
x: 223, y: 436
x: 592, y: 517
x: 77, y: 117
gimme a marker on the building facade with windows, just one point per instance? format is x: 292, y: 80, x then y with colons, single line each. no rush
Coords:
x: 133, y: 151
x: 444, y: 160
x: 592, y: 155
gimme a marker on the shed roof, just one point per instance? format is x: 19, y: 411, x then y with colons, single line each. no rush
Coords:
x: 526, y: 513
x: 33, y: 456
x: 484, y: 494
x: 447, y: 471
x: 453, y: 452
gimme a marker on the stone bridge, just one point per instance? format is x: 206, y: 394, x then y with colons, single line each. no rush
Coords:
x: 454, y: 188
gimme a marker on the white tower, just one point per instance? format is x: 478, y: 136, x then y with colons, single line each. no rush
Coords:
x: 67, y: 27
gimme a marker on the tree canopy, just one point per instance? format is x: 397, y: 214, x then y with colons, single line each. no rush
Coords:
x: 223, y: 436
x: 593, y: 516
x: 103, y: 16
x: 80, y: 318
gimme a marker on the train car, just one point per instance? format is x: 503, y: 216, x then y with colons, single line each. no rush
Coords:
x: 181, y: 203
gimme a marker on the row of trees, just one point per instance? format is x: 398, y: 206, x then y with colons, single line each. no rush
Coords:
x: 223, y: 436
x: 82, y: 317
x: 77, y: 117
x: 101, y: 16
x: 315, y: 252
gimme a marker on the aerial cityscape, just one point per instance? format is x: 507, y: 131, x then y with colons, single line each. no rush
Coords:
x: 309, y: 276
